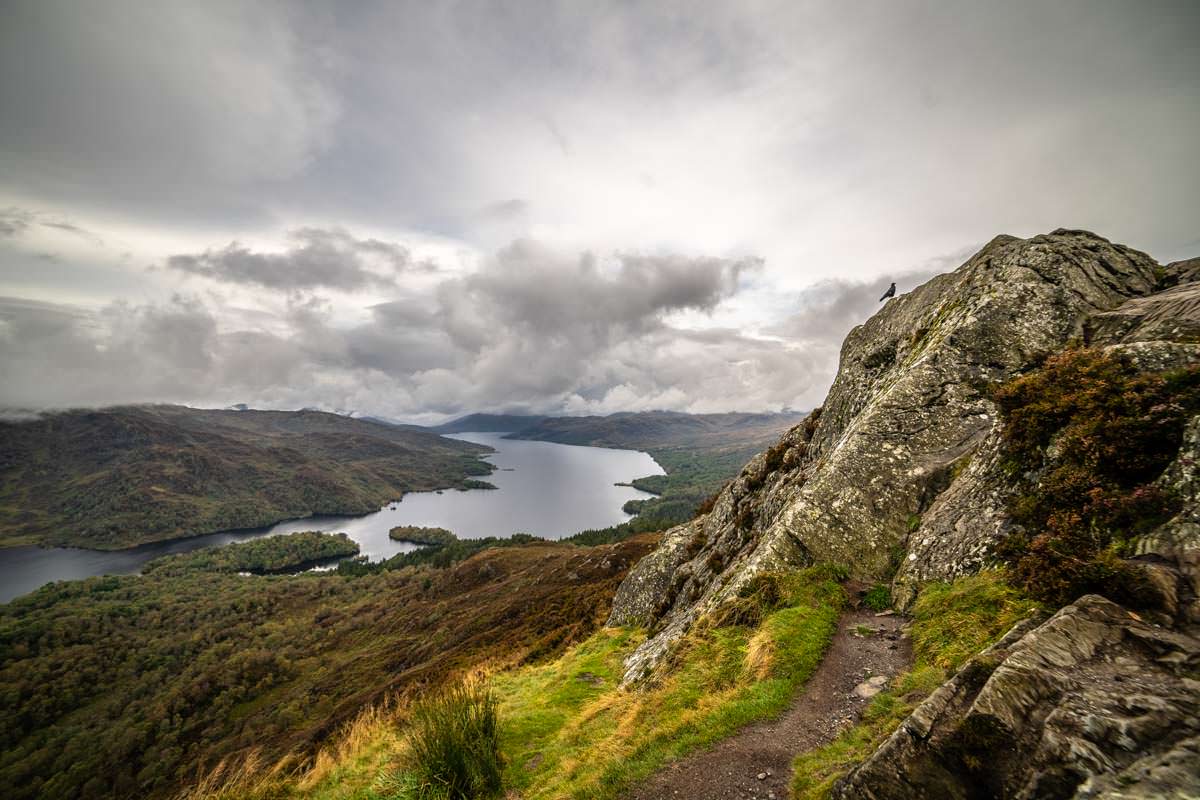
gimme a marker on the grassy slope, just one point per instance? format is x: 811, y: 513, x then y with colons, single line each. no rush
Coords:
x: 133, y: 686
x: 569, y: 730
x: 124, y: 476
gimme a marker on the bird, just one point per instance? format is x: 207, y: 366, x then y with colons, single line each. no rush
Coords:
x: 891, y: 292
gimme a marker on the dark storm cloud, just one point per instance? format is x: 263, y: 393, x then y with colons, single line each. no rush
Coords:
x: 531, y: 289
x: 315, y: 258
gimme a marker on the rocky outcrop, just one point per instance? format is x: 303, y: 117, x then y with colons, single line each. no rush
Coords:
x: 898, y: 469
x: 1173, y: 549
x: 1094, y: 703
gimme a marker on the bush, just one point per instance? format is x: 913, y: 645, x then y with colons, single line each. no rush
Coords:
x: 1086, y: 435
x: 878, y: 598
x: 454, y: 745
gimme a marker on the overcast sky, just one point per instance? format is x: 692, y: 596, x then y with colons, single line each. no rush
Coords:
x: 417, y: 210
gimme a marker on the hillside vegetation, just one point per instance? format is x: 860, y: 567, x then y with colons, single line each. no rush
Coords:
x: 271, y: 554
x: 566, y: 727
x: 119, y: 477
x: 131, y: 686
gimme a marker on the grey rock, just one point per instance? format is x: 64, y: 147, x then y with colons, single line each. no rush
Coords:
x: 1171, y: 315
x: 1095, y: 702
x: 871, y: 687
x: 1177, y: 542
x: 907, y: 419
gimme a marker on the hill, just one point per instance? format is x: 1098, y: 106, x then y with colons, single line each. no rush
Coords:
x: 652, y: 430
x: 132, y: 686
x: 487, y: 423
x: 1038, y: 411
x: 120, y: 477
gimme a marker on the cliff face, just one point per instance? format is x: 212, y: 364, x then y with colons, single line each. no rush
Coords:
x: 898, y: 472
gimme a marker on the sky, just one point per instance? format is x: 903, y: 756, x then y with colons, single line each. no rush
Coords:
x: 418, y: 210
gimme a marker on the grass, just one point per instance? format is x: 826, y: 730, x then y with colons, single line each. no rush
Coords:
x: 951, y: 623
x: 878, y: 598
x: 139, y: 686
x: 569, y: 730
x: 454, y: 746
x: 954, y: 621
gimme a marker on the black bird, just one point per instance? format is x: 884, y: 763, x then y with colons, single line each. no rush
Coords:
x: 891, y: 292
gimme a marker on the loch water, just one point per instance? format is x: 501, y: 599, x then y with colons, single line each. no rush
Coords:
x: 542, y: 488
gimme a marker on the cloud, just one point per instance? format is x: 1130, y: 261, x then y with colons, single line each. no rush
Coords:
x: 504, y: 210
x: 826, y: 311
x: 314, y: 258
x: 636, y: 153
x: 533, y: 327
x: 15, y: 221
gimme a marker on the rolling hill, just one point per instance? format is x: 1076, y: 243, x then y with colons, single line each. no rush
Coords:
x: 120, y: 477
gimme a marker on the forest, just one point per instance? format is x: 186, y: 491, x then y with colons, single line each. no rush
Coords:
x: 130, y: 686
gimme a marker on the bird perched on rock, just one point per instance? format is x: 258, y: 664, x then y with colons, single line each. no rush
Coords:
x: 891, y: 292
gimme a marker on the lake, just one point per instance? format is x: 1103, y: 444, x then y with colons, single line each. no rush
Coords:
x: 546, y: 489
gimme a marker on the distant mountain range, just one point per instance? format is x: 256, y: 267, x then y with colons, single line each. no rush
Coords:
x: 123, y: 476
x: 488, y: 423
x: 639, y: 430
x: 649, y: 430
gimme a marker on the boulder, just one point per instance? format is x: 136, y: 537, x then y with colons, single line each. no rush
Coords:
x: 1095, y: 702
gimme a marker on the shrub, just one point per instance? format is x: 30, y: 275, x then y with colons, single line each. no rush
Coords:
x: 454, y: 745
x: 1086, y: 434
x: 878, y: 598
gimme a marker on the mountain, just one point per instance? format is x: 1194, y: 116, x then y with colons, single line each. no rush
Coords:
x: 119, y: 477
x: 1037, y: 408
x: 649, y: 430
x: 487, y: 423
x: 1007, y: 458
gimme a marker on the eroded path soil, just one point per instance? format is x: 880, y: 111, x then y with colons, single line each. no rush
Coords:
x: 826, y: 706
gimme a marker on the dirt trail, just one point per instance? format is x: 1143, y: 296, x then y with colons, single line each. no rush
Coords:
x: 827, y: 705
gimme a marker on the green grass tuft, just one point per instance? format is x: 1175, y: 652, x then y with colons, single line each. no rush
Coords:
x: 878, y: 598
x: 954, y: 621
x: 454, y: 747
